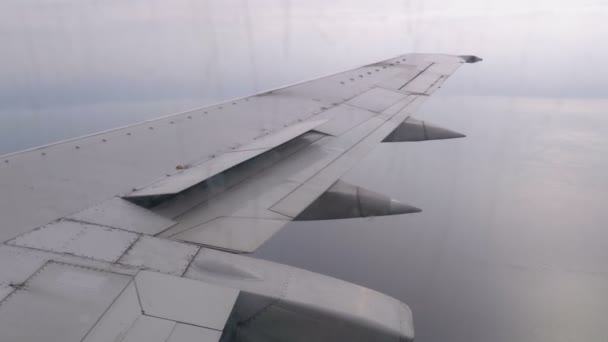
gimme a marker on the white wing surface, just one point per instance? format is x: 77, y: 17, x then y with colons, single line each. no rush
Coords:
x: 127, y: 235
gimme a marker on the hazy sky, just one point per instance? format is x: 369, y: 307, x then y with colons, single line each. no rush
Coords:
x: 74, y: 67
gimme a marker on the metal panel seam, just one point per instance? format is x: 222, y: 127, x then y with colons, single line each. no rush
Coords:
x: 195, y: 226
x: 141, y: 307
x: 171, y: 332
x: 418, y: 74
x: 279, y: 299
x: 436, y: 81
x: 98, y: 224
x: 373, y: 113
x: 180, y: 322
x: 20, y: 286
x: 129, y: 248
x: 108, y: 308
x: 76, y: 256
x: 191, y: 260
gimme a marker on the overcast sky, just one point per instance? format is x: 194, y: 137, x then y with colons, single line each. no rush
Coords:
x: 72, y: 67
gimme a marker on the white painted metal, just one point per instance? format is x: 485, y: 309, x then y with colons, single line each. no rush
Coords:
x: 118, y: 319
x: 405, y: 104
x: 265, y: 280
x: 276, y: 301
x: 376, y: 99
x: 193, y: 175
x: 273, y: 140
x: 406, y: 74
x: 218, y: 185
x: 250, y: 199
x: 238, y: 234
x: 353, y: 137
x: 60, y: 303
x: 190, y: 333
x: 122, y: 214
x: 342, y: 118
x: 16, y: 265
x: 238, y: 271
x: 184, y: 300
x: 445, y: 68
x: 110, y: 164
x: 160, y: 255
x: 79, y: 239
x: 22, y: 262
x: 198, y: 173
x: 305, y: 194
x: 436, y: 85
x: 253, y: 197
x: 422, y: 83
x: 149, y: 329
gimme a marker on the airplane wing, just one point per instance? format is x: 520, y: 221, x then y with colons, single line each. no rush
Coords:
x: 136, y: 234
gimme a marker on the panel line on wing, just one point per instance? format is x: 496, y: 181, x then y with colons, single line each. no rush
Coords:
x: 418, y: 74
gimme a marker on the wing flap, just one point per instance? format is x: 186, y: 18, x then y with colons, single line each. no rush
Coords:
x: 207, y: 169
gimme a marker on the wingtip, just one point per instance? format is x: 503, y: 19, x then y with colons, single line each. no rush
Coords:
x: 471, y: 58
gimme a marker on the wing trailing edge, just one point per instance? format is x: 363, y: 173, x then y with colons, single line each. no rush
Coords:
x: 188, y: 177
